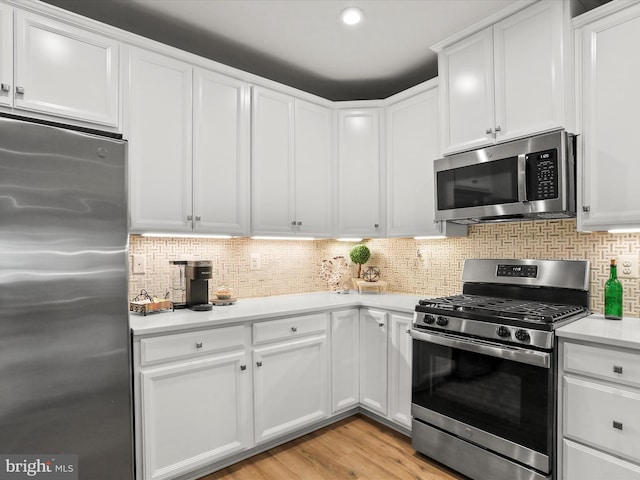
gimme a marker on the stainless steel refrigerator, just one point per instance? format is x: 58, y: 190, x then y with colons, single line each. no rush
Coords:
x: 65, y: 377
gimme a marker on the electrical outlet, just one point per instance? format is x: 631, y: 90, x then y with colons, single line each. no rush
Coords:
x: 628, y: 266
x: 139, y: 264
x: 256, y: 262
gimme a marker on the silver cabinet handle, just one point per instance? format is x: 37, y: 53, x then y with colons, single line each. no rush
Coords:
x: 586, y: 208
x: 408, y: 330
x: 20, y: 90
x: 259, y: 364
x: 299, y: 223
x: 190, y: 217
x: 617, y: 425
x: 617, y: 369
x: 294, y: 329
x: 5, y: 87
x: 198, y: 344
x: 498, y: 128
x: 381, y: 324
x: 198, y: 218
x: 293, y: 223
x: 243, y: 367
x: 489, y: 131
x: 376, y: 225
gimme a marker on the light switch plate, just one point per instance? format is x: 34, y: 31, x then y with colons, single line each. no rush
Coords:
x: 628, y: 266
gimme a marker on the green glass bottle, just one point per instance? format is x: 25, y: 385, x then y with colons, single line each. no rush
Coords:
x: 613, y: 294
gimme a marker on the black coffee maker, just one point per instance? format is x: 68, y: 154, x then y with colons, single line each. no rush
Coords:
x: 198, y: 275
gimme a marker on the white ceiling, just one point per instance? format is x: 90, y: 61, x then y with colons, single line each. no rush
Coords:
x: 302, y: 43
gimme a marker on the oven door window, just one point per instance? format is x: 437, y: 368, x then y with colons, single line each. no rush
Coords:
x: 503, y: 397
x: 488, y: 183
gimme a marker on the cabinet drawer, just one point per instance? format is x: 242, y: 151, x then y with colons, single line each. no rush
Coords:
x: 181, y: 345
x: 289, y: 328
x: 603, y: 416
x: 603, y: 362
x: 584, y: 463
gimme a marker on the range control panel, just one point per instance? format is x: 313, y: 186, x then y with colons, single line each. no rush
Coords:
x: 522, y: 271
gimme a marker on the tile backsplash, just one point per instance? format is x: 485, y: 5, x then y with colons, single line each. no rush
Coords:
x: 421, y: 267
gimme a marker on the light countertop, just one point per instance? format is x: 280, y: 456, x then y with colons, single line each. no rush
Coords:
x: 595, y: 328
x: 252, y: 309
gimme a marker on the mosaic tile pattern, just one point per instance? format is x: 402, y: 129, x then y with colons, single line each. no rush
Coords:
x: 293, y: 266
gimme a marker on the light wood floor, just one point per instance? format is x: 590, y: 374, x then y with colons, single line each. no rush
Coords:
x: 356, y: 448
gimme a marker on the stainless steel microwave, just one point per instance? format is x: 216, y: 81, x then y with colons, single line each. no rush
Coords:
x: 529, y: 179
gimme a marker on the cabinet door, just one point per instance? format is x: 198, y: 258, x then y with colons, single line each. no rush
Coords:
x: 220, y: 154
x: 610, y: 103
x: 6, y: 55
x: 529, y: 73
x: 345, y: 353
x: 193, y: 414
x: 359, y: 173
x: 373, y: 360
x: 412, y: 146
x: 272, y: 163
x: 400, y: 370
x: 467, y: 95
x: 314, y: 170
x: 291, y: 386
x: 65, y: 71
x: 160, y: 147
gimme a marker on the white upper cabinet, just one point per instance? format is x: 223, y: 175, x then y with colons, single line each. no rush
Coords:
x: 467, y: 92
x: 507, y: 81
x: 6, y: 55
x: 221, y: 156
x: 314, y: 170
x: 359, y: 195
x: 412, y: 146
x: 189, y: 152
x: 64, y: 71
x: 160, y: 147
x: 607, y: 41
x: 272, y: 153
x: 291, y: 166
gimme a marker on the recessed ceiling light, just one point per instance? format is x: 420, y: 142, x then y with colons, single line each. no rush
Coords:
x: 351, y: 16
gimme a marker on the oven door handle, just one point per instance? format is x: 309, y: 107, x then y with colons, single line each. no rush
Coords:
x: 530, y: 357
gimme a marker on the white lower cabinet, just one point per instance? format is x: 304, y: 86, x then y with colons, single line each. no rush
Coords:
x: 584, y: 463
x: 400, y: 369
x: 599, y: 405
x: 193, y: 412
x: 373, y: 360
x: 291, y: 381
x: 204, y: 396
x: 345, y: 361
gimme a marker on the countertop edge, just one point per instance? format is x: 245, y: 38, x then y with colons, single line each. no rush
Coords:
x: 595, y: 328
x: 266, y: 308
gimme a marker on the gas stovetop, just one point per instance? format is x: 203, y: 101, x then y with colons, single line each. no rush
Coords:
x: 495, y: 308
x: 517, y: 302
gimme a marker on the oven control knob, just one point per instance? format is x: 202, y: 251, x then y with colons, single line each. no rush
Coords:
x: 442, y: 321
x: 522, y: 335
x: 503, y: 332
x: 429, y: 319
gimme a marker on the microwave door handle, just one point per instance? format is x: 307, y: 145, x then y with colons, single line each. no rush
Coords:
x: 530, y: 357
x: 522, y: 178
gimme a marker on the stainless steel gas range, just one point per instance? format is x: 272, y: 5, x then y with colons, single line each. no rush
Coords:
x: 484, y: 367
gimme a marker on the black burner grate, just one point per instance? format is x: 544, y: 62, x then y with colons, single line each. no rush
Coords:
x: 529, y: 311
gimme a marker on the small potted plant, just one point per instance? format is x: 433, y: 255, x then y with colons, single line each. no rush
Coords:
x: 360, y: 254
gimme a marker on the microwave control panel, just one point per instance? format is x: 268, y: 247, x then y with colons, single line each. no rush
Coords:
x: 542, y: 175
